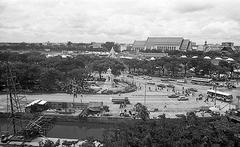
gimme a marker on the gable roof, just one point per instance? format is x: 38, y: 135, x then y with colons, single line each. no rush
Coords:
x: 185, y: 44
x: 176, y: 41
x: 139, y: 44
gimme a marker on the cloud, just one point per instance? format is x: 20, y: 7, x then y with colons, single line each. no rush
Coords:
x: 118, y: 20
x: 187, y: 6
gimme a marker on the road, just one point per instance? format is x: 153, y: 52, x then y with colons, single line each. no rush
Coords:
x: 155, y: 98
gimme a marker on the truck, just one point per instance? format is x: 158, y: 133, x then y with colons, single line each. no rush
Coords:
x: 121, y: 100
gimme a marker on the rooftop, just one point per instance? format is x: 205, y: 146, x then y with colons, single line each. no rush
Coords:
x: 139, y: 43
x: 164, y: 41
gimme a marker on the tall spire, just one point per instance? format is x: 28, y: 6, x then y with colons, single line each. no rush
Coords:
x: 112, y: 53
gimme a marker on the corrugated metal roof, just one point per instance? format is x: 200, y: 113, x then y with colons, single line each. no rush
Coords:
x: 175, y: 41
x: 140, y: 44
x: 42, y: 102
x: 33, y: 102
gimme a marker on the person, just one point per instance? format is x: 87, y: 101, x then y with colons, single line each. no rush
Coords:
x: 130, y: 112
x: 206, y: 100
x: 165, y: 106
x: 120, y: 106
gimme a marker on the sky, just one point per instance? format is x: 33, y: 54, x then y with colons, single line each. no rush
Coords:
x: 122, y: 21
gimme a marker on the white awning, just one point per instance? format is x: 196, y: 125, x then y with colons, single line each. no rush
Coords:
x: 206, y: 57
x: 152, y: 58
x: 230, y: 59
x: 183, y: 56
x: 42, y: 102
x: 218, y: 58
x: 33, y: 102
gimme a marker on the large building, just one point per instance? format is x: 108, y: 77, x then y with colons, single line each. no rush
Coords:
x: 163, y: 44
x: 138, y: 45
x: 224, y: 47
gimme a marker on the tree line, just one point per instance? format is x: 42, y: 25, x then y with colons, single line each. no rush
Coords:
x: 35, y: 72
x: 59, y: 47
x: 175, y: 66
x: 188, y: 131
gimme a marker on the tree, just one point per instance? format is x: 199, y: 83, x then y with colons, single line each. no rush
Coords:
x: 184, y: 61
x: 49, y: 78
x: 172, y: 65
x: 142, y: 111
x: 110, y: 45
x: 80, y: 76
x: 160, y: 64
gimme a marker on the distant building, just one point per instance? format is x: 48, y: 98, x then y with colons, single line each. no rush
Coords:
x: 194, y: 46
x: 163, y: 44
x: 152, y: 55
x: 186, y: 45
x: 123, y: 47
x: 200, y: 47
x: 96, y: 45
x: 138, y: 45
x: 224, y: 47
x: 227, y: 44
x: 112, y: 53
x: 237, y: 48
x: 212, y: 47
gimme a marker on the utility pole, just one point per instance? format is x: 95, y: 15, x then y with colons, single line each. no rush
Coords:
x: 145, y: 93
x: 238, y: 106
x: 74, y: 90
x: 215, y: 99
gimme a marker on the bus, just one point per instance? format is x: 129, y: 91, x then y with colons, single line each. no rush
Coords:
x: 202, y: 81
x: 219, y: 95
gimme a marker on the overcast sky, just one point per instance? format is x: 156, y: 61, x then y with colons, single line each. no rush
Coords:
x: 119, y: 20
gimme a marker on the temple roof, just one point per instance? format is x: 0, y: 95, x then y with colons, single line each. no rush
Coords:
x: 139, y: 44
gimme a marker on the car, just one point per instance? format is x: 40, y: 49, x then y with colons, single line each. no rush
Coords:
x: 173, y: 96
x: 170, y: 86
x: 180, y: 115
x: 150, y: 83
x: 161, y: 85
x: 147, y: 78
x: 182, y: 98
x: 193, y: 89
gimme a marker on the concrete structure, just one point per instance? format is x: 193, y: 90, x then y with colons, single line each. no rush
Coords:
x: 163, y: 43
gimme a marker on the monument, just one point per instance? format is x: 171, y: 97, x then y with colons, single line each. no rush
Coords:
x: 109, y: 83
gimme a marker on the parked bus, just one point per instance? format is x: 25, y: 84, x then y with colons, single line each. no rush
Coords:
x: 219, y: 95
x: 202, y: 81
